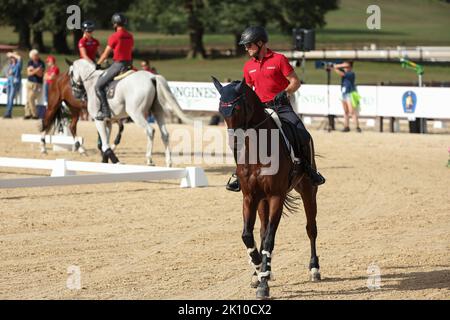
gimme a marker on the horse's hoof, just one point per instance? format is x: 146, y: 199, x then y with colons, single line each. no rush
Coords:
x: 262, y: 293
x: 314, y: 275
x: 82, y: 151
x: 254, y: 283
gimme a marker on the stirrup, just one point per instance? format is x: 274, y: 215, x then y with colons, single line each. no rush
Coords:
x: 297, y: 168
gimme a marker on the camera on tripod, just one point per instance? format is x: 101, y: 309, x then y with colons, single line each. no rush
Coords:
x: 325, y: 64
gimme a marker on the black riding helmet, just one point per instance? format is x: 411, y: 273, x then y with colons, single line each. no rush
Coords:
x: 119, y: 19
x: 253, y: 35
x: 88, y: 26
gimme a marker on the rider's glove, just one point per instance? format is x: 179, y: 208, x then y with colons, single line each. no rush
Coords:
x: 281, y: 97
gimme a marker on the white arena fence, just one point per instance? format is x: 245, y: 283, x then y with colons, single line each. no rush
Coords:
x: 63, y: 172
x: 320, y: 100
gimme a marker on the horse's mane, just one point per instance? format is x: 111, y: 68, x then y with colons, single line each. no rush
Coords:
x: 84, y: 61
x: 252, y: 94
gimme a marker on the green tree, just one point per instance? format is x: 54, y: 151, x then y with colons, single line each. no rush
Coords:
x: 303, y: 13
x: 176, y: 16
x: 33, y: 17
x: 234, y: 16
x: 9, y: 14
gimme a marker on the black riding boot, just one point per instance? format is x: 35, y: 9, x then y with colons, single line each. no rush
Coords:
x: 305, y: 156
x: 234, y: 185
x: 303, y: 152
x: 104, y: 112
x: 316, y: 178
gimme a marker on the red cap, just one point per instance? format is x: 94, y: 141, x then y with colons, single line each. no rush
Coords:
x: 50, y: 58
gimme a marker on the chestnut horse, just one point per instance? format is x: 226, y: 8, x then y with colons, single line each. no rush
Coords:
x: 265, y: 193
x: 61, y: 91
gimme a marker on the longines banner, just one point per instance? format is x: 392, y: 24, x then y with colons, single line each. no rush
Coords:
x: 399, y: 102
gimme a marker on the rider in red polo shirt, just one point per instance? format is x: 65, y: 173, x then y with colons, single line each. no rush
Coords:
x: 88, y: 45
x: 274, y: 80
x: 121, y: 42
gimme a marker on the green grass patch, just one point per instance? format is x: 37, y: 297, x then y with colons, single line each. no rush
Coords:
x: 201, y: 70
x: 17, y: 111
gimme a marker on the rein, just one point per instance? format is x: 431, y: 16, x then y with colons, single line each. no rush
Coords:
x: 89, y: 76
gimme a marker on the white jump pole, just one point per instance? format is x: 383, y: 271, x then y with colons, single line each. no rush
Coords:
x: 64, y: 173
x: 60, y: 142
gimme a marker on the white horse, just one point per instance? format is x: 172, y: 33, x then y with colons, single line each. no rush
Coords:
x: 135, y: 96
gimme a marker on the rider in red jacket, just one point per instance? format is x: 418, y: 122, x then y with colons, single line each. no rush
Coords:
x: 121, y: 42
x: 88, y: 45
x: 273, y: 79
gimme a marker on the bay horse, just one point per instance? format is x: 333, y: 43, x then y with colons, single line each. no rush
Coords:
x: 61, y: 91
x: 265, y: 193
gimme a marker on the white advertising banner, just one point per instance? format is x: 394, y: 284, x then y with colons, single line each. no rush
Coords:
x: 3, y: 91
x: 20, y: 98
x: 198, y: 96
x: 399, y: 102
x: 411, y: 102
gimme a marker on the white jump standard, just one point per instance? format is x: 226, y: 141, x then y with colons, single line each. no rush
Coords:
x: 64, y: 173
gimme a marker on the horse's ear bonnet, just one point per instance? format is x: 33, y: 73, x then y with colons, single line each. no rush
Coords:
x: 231, y: 96
x: 217, y: 84
x: 239, y: 86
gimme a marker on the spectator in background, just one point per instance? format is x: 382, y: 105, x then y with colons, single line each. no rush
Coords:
x: 35, y: 72
x: 14, y: 81
x: 50, y: 75
x: 145, y: 65
x: 345, y: 70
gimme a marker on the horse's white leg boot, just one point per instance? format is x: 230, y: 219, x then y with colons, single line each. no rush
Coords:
x: 314, y: 274
x: 42, y: 144
x: 150, y: 136
x: 164, y: 136
x: 82, y: 150
x: 43, y: 148
x: 165, y: 139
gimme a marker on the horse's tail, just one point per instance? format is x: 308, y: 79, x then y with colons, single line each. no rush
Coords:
x: 291, y: 203
x: 166, y: 98
x: 51, y: 119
